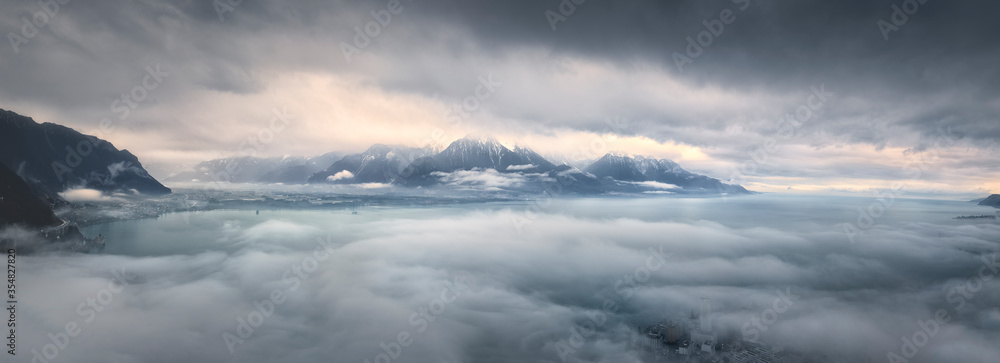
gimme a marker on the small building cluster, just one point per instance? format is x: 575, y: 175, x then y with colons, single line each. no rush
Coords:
x: 693, y: 339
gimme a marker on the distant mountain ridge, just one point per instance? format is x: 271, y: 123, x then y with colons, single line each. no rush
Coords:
x: 642, y: 169
x: 992, y: 201
x: 379, y: 164
x: 465, y: 162
x: 252, y: 169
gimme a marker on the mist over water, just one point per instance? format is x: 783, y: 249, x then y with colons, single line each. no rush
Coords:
x: 514, y: 281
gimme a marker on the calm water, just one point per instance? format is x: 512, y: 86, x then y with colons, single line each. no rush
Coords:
x: 196, y: 232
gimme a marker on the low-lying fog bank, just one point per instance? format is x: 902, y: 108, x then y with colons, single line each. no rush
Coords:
x: 521, y: 282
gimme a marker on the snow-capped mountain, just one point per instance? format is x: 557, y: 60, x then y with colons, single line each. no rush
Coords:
x: 469, y: 163
x: 644, y: 172
x: 379, y: 164
x: 487, y: 153
x: 474, y: 153
x: 617, y: 167
x: 486, y: 162
x: 535, y: 162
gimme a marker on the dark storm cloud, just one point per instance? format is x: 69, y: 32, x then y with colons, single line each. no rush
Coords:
x: 943, y: 52
x: 607, y: 59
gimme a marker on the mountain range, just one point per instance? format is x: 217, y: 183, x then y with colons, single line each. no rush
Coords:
x: 39, y: 162
x: 645, y: 171
x: 469, y: 163
x: 51, y: 159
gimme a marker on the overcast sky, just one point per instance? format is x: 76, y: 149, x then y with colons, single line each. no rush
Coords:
x: 572, y: 83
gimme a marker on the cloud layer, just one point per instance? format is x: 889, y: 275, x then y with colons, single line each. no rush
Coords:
x: 497, y: 284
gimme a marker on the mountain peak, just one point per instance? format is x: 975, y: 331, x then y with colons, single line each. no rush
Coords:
x: 380, y: 149
x: 619, y: 154
x: 477, y: 140
x: 618, y: 167
x: 475, y: 145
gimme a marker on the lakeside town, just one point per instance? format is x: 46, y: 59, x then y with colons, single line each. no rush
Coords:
x: 693, y: 338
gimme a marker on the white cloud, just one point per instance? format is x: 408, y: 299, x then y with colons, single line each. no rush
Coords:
x: 521, y: 167
x: 123, y: 166
x: 488, y: 179
x: 657, y: 185
x: 343, y: 174
x: 85, y: 195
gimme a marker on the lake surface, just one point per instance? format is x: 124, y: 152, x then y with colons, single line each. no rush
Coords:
x: 195, y: 232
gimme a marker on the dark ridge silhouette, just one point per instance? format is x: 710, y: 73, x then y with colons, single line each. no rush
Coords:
x: 54, y: 158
